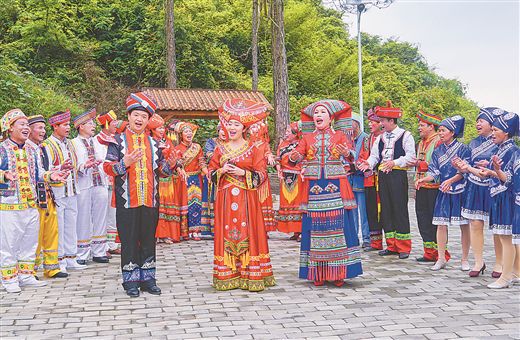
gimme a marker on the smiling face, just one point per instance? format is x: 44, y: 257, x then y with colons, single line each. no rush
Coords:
x: 87, y: 129
x: 321, y: 118
x: 375, y: 127
x: 388, y: 124
x: 112, y: 127
x: 62, y: 130
x: 235, y: 130
x: 483, y: 127
x: 159, y: 132
x: 37, y: 132
x: 425, y: 129
x: 187, y: 135
x: 137, y: 120
x: 19, y: 130
x: 222, y: 134
x: 446, y: 135
x: 499, y: 136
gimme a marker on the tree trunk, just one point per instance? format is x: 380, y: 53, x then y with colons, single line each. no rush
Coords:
x: 171, y: 64
x: 280, y: 82
x: 254, y: 43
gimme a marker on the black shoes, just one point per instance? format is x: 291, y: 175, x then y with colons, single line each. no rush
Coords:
x: 387, y: 252
x: 403, y: 256
x: 60, y: 275
x: 101, y: 259
x: 154, y: 290
x: 423, y: 259
x: 132, y: 292
x: 82, y: 262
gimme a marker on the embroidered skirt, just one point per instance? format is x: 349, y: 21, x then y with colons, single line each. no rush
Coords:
x: 501, y: 213
x: 330, y: 246
x: 208, y: 217
x: 194, y: 203
x: 476, y: 202
x: 448, y: 209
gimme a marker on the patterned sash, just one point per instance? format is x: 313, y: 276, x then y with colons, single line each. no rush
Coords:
x: 96, y: 176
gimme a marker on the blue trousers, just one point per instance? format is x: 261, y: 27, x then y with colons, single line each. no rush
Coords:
x: 360, y: 216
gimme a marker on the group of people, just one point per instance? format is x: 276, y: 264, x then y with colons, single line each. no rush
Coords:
x: 144, y: 182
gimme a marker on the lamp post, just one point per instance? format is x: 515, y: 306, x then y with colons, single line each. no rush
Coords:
x: 359, y: 7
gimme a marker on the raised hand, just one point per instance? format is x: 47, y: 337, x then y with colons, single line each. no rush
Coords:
x: 132, y: 157
x: 344, y: 150
x: 497, y: 163
x: 271, y: 160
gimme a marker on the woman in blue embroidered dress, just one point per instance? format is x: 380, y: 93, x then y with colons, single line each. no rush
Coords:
x: 448, y: 204
x: 329, y: 244
x: 476, y: 204
x: 505, y: 127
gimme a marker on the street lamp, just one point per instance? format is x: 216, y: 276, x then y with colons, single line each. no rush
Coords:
x: 359, y: 7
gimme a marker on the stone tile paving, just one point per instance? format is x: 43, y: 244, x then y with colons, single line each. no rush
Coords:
x: 394, y: 299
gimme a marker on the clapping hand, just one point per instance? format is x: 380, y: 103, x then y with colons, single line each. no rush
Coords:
x: 60, y: 176
x: 234, y: 170
x: 445, y: 186
x: 363, y: 165
x: 67, y: 165
x: 271, y: 160
x: 497, y: 163
x: 343, y: 150
x: 387, y: 166
x: 11, y: 175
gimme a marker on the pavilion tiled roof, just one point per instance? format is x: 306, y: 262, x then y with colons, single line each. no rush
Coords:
x: 197, y: 103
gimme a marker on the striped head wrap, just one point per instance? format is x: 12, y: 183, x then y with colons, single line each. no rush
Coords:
x: 429, y: 118
x: 455, y: 124
x: 84, y: 117
x: 508, y: 122
x: 59, y: 118
x: 36, y: 119
x: 141, y: 101
x: 490, y: 113
x: 10, y: 117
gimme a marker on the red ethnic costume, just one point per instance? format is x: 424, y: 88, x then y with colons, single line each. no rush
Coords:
x: 261, y: 138
x: 289, y: 216
x: 136, y: 196
x: 427, y: 194
x: 241, y: 253
x: 397, y: 146
x: 329, y: 243
x: 189, y: 192
x: 167, y: 229
x: 373, y: 205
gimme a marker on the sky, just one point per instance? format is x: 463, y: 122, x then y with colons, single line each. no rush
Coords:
x: 476, y: 42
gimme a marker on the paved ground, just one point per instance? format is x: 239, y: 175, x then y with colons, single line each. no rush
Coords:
x: 394, y: 299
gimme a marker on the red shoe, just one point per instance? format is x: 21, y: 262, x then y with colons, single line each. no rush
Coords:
x: 339, y: 283
x: 319, y: 283
x: 116, y: 251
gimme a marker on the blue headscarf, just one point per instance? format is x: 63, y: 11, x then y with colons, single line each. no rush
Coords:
x: 508, y: 122
x: 455, y: 124
x: 490, y: 113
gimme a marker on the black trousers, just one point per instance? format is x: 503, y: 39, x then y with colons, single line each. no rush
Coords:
x: 393, y: 193
x: 136, y: 228
x: 371, y: 206
x: 424, y: 205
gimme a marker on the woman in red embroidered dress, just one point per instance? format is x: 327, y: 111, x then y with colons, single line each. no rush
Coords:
x: 241, y: 253
x: 190, y: 186
x: 259, y: 134
x: 166, y: 231
x: 289, y: 216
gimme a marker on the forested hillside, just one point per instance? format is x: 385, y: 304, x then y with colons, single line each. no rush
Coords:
x: 57, y: 54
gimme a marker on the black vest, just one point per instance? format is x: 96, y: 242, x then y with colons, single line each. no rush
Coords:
x: 398, y: 148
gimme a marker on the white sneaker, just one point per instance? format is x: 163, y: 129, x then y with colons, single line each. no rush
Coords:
x: 515, y: 280
x: 72, y: 264
x: 12, y: 287
x: 31, y: 281
x: 63, y: 266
